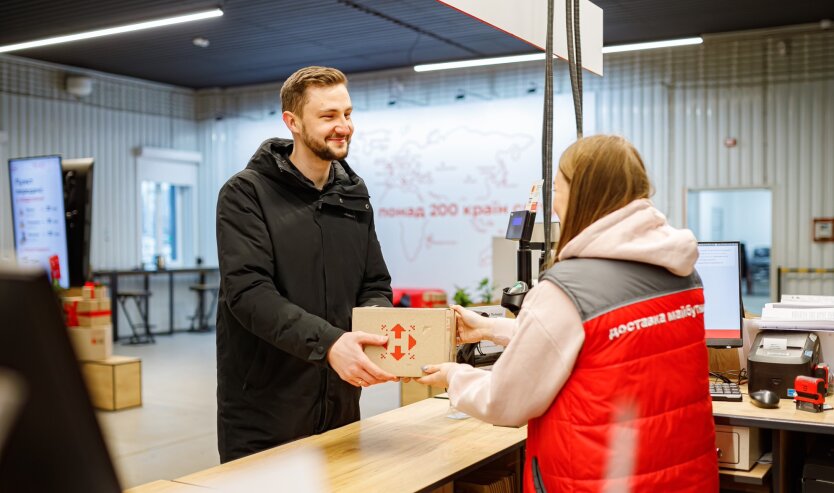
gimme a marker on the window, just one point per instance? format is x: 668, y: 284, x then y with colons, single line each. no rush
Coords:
x: 742, y: 215
x: 167, y: 207
x: 165, y: 218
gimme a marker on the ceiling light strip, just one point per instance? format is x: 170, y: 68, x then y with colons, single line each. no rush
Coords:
x: 540, y: 56
x: 651, y: 45
x: 113, y: 30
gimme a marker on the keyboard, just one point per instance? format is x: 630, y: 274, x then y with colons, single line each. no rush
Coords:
x: 725, y: 392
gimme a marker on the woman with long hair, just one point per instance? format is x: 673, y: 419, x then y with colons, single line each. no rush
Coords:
x: 607, y: 361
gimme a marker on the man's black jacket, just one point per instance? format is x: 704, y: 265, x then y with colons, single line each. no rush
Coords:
x: 294, y: 262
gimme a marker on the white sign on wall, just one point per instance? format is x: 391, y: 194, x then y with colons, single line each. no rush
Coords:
x: 443, y: 180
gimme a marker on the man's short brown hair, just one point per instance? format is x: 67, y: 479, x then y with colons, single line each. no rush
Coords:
x: 294, y: 89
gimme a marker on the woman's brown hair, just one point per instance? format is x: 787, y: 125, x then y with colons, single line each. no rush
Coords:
x: 605, y: 173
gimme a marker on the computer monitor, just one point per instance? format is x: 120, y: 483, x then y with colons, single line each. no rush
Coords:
x: 719, y: 265
x: 54, y: 442
x: 40, y: 231
x: 78, y: 200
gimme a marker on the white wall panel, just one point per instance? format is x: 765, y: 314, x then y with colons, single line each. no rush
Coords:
x: 124, y: 114
x: 801, y: 134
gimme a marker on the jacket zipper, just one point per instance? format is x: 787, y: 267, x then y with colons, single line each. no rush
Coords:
x: 323, y: 395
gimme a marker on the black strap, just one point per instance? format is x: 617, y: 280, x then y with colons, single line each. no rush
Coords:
x: 574, y: 59
x: 538, y: 483
x: 547, y: 135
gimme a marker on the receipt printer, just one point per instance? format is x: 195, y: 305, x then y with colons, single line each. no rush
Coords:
x: 778, y: 357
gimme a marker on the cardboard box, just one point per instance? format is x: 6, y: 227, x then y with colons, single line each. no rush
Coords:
x: 93, y: 292
x: 92, y: 343
x: 80, y: 312
x: 114, y: 383
x: 416, y: 337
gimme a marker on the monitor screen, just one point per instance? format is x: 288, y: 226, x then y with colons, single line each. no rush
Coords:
x: 719, y: 267
x: 40, y: 233
x: 53, y: 441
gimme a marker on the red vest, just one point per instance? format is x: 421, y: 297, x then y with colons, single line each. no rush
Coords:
x: 635, y: 415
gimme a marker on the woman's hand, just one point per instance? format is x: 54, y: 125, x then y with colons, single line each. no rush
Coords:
x: 472, y: 327
x: 437, y: 375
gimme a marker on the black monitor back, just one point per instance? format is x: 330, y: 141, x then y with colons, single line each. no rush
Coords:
x: 55, y: 443
x: 78, y: 200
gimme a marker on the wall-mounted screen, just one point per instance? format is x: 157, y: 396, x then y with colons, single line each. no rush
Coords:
x: 40, y: 235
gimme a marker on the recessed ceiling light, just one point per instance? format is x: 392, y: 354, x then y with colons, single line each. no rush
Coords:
x: 201, y: 42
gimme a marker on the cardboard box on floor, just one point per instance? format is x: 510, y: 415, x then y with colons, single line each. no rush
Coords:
x: 416, y: 337
x: 114, y: 383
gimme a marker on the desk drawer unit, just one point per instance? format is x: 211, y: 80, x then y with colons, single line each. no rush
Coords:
x: 738, y: 447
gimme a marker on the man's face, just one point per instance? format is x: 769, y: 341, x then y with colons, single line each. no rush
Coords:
x: 325, y: 124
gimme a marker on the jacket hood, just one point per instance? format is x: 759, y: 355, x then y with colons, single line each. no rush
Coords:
x: 272, y: 160
x: 638, y: 232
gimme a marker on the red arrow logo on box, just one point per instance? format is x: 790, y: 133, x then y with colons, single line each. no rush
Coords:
x: 398, y: 331
x: 411, y: 342
x: 398, y: 353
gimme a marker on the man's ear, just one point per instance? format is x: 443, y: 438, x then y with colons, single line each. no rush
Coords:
x: 291, y: 121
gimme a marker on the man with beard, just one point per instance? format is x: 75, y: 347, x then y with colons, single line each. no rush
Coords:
x: 297, y: 251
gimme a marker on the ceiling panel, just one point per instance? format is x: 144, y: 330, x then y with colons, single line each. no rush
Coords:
x: 260, y: 41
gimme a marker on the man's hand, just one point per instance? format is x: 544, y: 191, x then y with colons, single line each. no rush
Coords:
x: 437, y: 375
x: 472, y: 327
x: 347, y: 357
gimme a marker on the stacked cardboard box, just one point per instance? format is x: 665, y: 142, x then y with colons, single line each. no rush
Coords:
x: 89, y: 322
x: 114, y: 382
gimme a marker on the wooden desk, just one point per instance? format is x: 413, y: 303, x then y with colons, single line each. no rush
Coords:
x: 165, y: 486
x: 786, y: 417
x: 113, y: 276
x: 413, y: 448
x: 784, y: 421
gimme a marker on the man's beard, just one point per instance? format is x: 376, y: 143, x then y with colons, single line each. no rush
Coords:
x: 322, y: 151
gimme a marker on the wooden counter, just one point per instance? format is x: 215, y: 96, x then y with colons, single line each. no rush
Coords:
x: 417, y: 448
x: 413, y: 448
x: 165, y: 486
